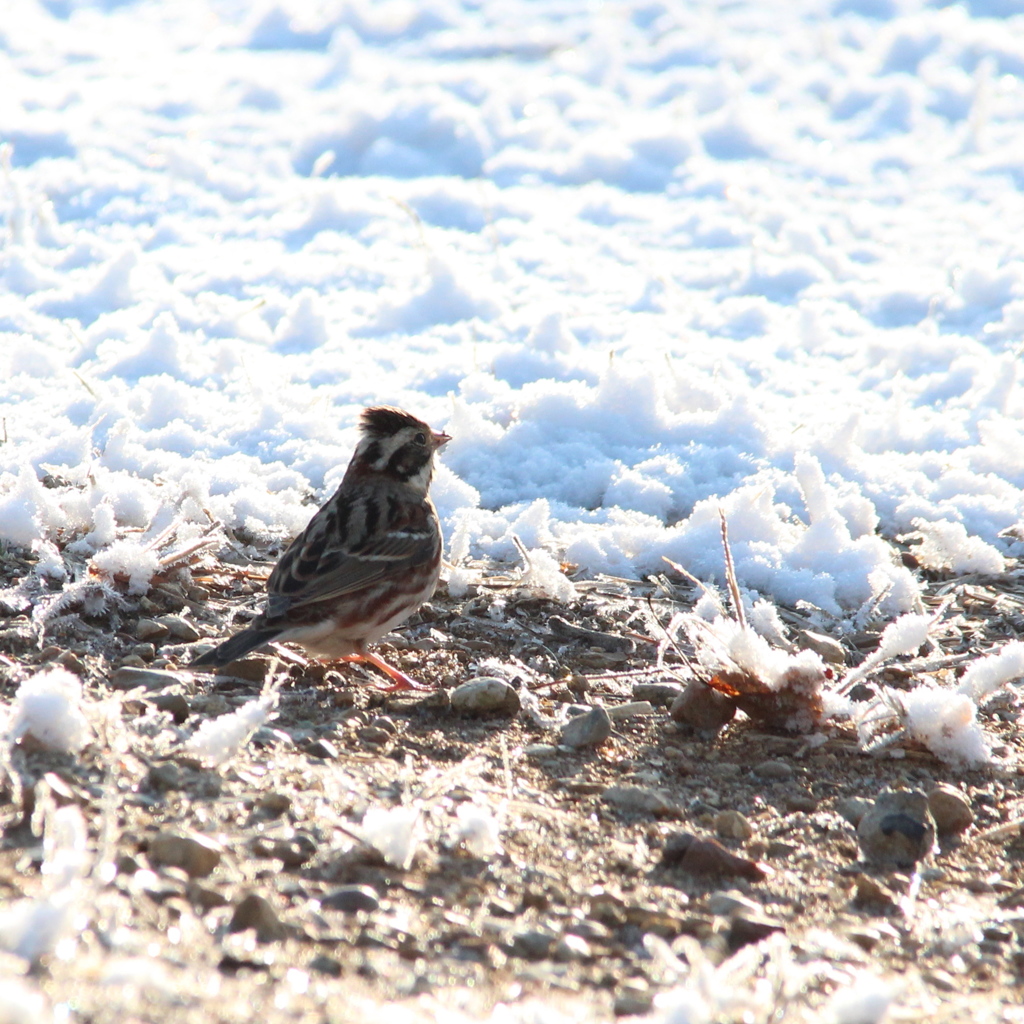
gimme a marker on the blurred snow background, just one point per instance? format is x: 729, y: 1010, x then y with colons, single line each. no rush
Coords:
x: 642, y: 259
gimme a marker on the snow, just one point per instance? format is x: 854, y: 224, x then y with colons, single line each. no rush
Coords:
x: 49, y: 707
x: 217, y: 740
x: 642, y: 261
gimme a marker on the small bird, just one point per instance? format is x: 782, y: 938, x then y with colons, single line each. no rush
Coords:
x: 366, y: 561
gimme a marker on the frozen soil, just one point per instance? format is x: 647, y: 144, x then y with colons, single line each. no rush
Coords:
x: 282, y: 913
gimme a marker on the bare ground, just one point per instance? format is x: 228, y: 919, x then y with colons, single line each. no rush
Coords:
x: 282, y: 913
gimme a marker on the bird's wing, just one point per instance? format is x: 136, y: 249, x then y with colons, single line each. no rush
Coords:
x: 347, y: 546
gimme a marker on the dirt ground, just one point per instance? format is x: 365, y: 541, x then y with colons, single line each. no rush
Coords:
x: 249, y: 890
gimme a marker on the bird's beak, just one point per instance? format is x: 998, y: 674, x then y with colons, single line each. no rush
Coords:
x: 440, y: 439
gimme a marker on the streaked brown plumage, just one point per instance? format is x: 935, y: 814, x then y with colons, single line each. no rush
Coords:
x: 366, y: 561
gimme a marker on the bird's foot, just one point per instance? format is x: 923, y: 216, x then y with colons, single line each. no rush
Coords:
x: 400, y: 681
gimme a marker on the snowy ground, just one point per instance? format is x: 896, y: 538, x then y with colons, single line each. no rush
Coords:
x: 643, y: 260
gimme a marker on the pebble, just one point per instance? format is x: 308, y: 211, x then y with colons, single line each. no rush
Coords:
x: 950, y: 809
x: 326, y: 965
x: 540, y: 751
x: 532, y: 945
x: 589, y: 730
x: 130, y: 677
x: 640, y: 799
x: 571, y: 947
x: 150, y: 629
x: 657, y: 693
x: 827, y: 647
x: 321, y: 747
x: 725, y: 903
x: 164, y: 777
x: 255, y: 912
x: 632, y: 998
x: 371, y: 734
x: 869, y: 892
x: 744, y: 931
x: 853, y: 808
x: 702, y: 708
x: 197, y: 855
x: 174, y: 704
x: 179, y: 627
x: 634, y: 709
x: 205, y: 898
x: 351, y: 899
x: 898, y: 831
x: 732, y: 825
x: 273, y: 803
x: 487, y: 695
x: 774, y: 771
x: 701, y: 856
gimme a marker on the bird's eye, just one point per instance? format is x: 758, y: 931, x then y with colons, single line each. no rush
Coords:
x: 420, y: 438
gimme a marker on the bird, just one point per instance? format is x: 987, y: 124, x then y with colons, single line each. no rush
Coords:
x: 367, y: 560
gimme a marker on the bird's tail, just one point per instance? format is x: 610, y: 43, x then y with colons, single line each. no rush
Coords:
x: 237, y: 647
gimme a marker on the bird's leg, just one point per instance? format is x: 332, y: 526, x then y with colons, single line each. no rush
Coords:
x: 401, y: 680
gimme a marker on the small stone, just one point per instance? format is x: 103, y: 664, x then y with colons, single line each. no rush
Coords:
x: 164, y: 777
x: 898, y: 831
x: 487, y: 695
x: 178, y: 627
x: 828, y: 648
x: 532, y: 945
x: 640, y: 800
x: 371, y: 734
x: 256, y: 912
x: 871, y: 894
x: 147, y: 652
x: 940, y: 979
x: 702, y: 708
x: 292, y: 851
x: 132, y: 677
x: 197, y: 855
x: 700, y: 856
x: 540, y: 751
x: 273, y: 804
x: 587, y: 730
x: 774, y: 771
x: 662, y: 694
x: 950, y: 809
x: 174, y: 704
x: 321, y: 747
x: 634, y: 709
x: 744, y: 931
x: 205, y: 898
x: 150, y: 629
x: 571, y: 947
x: 351, y: 899
x: 732, y: 825
x: 632, y: 998
x: 727, y: 903
x: 853, y: 808
x: 386, y: 724
x: 326, y: 965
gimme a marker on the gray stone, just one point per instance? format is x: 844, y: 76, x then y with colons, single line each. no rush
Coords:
x: 898, y: 831
x: 657, y: 693
x: 774, y: 771
x: 150, y: 629
x: 179, y: 627
x: 532, y: 945
x: 702, y: 708
x: 727, y: 903
x: 487, y: 695
x: 571, y: 947
x: 131, y: 678
x: 197, y: 855
x: 588, y: 730
x: 351, y: 899
x: 853, y: 808
x: 639, y: 799
x: 255, y: 912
